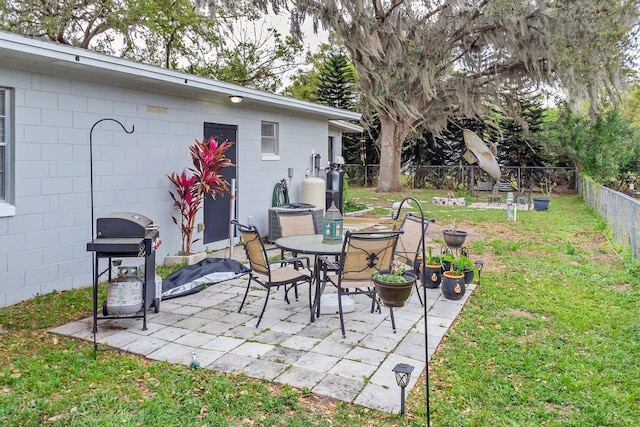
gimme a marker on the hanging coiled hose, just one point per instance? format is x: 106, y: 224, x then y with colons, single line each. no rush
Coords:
x: 280, y: 194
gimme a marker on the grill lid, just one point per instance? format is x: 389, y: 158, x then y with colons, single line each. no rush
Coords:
x: 123, y: 224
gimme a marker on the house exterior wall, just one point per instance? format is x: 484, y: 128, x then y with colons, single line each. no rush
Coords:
x: 43, y: 246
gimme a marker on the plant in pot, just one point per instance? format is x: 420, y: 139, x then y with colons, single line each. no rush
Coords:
x: 190, y: 187
x: 546, y: 187
x: 453, y: 279
x: 453, y: 237
x: 394, y: 286
x: 431, y: 275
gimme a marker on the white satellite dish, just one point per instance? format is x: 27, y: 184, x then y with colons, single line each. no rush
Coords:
x: 478, y: 152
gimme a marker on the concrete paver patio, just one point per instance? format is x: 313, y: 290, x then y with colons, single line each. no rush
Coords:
x: 286, y: 348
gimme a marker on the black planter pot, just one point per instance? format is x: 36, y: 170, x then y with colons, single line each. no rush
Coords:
x: 540, y: 203
x: 431, y: 276
x: 454, y: 238
x: 395, y: 294
x: 453, y: 288
x: 468, y: 276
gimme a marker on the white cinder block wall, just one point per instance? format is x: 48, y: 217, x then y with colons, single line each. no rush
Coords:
x: 43, y: 246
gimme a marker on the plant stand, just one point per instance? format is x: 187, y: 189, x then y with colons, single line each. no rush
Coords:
x: 454, y: 238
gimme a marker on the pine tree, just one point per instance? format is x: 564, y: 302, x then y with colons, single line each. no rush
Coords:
x: 336, y: 88
x: 336, y: 82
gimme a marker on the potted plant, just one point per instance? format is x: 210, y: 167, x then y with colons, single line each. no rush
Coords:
x: 431, y: 275
x: 394, y: 286
x: 453, y: 237
x: 542, y: 203
x: 190, y: 187
x: 453, y: 279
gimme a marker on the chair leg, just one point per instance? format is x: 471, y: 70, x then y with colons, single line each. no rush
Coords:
x: 374, y: 297
x: 393, y: 320
x: 311, y: 304
x: 375, y: 304
x: 266, y: 300
x: 246, y: 292
x: 344, y: 334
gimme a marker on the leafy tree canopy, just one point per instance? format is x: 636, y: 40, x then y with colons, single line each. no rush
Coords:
x: 420, y: 63
x: 176, y: 34
x: 608, y: 149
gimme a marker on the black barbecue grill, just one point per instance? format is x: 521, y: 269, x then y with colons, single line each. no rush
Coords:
x: 124, y: 235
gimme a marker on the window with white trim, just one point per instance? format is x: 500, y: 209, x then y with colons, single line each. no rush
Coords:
x: 6, y: 140
x: 269, y: 141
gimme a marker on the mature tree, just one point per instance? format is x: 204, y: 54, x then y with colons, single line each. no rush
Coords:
x: 73, y: 22
x: 304, y: 82
x: 330, y: 79
x: 168, y: 33
x: 336, y: 81
x: 422, y: 62
x: 252, y: 55
x: 518, y: 145
x: 160, y: 32
x: 632, y: 103
x: 335, y: 87
x: 606, y: 149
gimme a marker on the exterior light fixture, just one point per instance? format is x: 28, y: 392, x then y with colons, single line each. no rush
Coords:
x: 236, y: 99
x: 403, y: 375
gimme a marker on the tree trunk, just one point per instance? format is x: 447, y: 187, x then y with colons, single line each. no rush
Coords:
x: 392, y: 135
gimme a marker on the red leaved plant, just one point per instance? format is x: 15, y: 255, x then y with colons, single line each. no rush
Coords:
x: 208, y: 159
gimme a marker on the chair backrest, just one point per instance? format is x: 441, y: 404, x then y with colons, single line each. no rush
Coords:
x: 366, y: 253
x: 253, y: 246
x: 296, y: 223
x: 410, y: 242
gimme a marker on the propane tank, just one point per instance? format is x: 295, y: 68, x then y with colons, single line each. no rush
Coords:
x: 125, y: 293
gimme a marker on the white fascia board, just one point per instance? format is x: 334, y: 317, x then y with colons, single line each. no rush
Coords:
x: 27, y: 49
x: 346, y: 127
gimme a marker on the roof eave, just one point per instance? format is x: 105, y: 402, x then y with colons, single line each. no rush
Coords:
x: 20, y: 47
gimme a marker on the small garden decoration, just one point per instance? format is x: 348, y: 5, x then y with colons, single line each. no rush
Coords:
x: 208, y: 159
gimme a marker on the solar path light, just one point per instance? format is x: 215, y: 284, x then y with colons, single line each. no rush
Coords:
x: 403, y: 375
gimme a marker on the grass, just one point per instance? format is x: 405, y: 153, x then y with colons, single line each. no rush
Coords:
x: 550, y: 337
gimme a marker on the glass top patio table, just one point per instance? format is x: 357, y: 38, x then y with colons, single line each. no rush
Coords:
x: 311, y: 244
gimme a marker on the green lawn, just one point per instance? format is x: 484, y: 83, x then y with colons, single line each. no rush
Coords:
x: 551, y: 337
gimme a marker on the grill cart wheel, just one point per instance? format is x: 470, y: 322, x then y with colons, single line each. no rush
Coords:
x: 105, y: 312
x: 156, y: 305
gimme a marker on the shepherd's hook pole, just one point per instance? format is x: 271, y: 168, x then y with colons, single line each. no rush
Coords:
x: 94, y: 264
x: 424, y: 293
